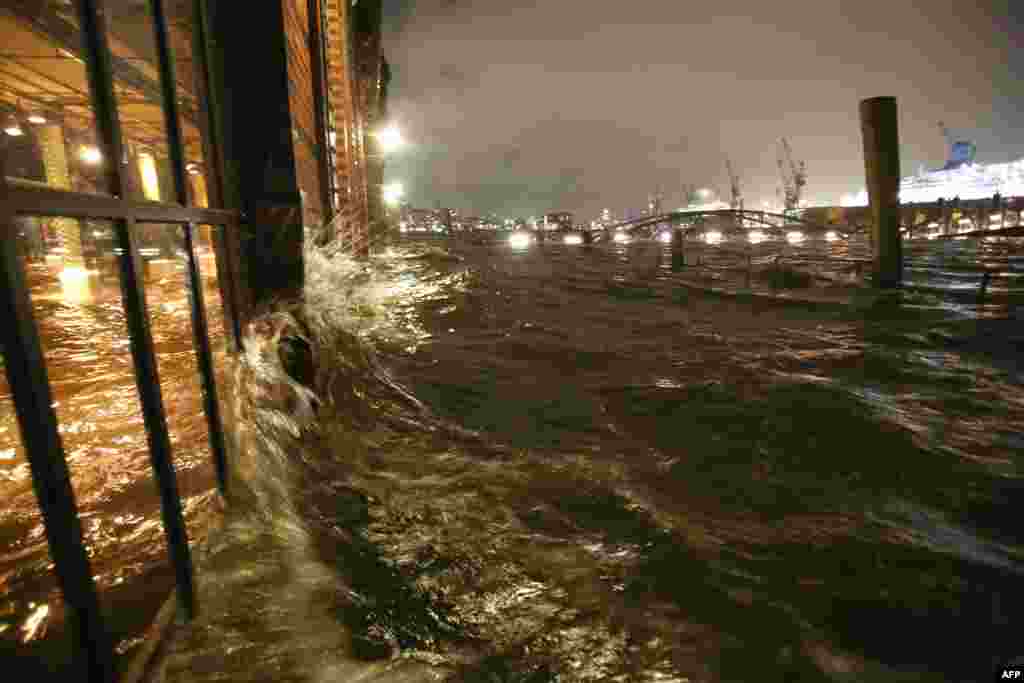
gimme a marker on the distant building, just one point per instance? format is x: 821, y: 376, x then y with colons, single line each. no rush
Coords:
x: 558, y: 220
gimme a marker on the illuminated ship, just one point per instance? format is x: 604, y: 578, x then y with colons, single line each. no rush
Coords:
x: 959, y: 177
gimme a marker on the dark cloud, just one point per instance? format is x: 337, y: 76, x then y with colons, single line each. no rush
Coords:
x: 579, y: 104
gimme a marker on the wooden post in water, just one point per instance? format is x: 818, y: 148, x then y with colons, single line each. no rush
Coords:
x: 678, y: 257
x: 879, y: 127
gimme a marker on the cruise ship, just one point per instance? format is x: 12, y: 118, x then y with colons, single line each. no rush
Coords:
x: 960, y: 177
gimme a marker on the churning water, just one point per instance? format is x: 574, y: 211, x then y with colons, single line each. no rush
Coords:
x: 552, y: 463
x: 559, y: 464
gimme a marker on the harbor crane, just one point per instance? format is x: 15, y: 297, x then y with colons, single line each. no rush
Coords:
x: 793, y: 174
x: 736, y: 200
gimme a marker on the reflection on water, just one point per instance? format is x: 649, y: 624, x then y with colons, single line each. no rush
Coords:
x: 83, y: 331
x: 565, y: 465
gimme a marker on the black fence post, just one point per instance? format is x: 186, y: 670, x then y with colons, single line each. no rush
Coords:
x: 204, y: 357
x: 147, y: 380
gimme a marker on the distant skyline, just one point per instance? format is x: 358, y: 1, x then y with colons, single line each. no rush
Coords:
x: 518, y: 110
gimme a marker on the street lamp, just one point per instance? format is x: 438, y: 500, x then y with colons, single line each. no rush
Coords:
x: 389, y: 138
x: 392, y: 193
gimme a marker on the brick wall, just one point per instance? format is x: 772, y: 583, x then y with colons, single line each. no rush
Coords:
x: 303, y: 110
x: 349, y: 124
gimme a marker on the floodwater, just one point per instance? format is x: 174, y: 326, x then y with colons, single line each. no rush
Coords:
x: 563, y: 464
x: 477, y: 463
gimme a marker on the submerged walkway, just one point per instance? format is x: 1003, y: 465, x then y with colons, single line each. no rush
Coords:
x: 692, y: 488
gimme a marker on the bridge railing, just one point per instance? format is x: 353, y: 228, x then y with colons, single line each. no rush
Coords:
x: 953, y: 276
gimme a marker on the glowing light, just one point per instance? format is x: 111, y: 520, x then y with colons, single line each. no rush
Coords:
x: 665, y: 237
x: 393, y: 193
x: 713, y: 237
x: 78, y: 284
x: 756, y: 236
x: 519, y: 240
x: 90, y: 154
x: 389, y: 138
x: 794, y: 237
x: 150, y: 179
x: 36, y: 118
x: 35, y: 625
x: 621, y: 237
x: 831, y: 236
x: 13, y: 129
x: 573, y: 239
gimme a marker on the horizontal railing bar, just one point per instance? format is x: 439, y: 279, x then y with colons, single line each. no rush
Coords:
x: 31, y: 200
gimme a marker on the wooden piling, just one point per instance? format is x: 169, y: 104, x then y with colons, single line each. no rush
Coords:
x: 879, y: 127
x: 678, y: 257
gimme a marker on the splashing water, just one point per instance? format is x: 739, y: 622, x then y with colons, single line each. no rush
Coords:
x: 548, y: 464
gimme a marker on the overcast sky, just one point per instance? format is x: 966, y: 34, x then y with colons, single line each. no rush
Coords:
x: 523, y: 107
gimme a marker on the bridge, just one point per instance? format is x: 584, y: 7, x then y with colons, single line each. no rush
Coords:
x: 726, y: 217
x: 974, y: 217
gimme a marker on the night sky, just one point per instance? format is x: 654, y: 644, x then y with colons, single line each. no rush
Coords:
x: 521, y: 108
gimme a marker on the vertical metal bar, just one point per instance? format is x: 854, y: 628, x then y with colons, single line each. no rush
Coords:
x: 168, y: 87
x: 208, y: 105
x: 101, y: 86
x: 33, y: 403
x: 204, y: 357
x: 227, y: 189
x: 147, y: 380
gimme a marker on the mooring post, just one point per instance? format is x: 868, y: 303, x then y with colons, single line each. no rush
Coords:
x: 678, y: 257
x: 879, y: 127
x: 985, y: 280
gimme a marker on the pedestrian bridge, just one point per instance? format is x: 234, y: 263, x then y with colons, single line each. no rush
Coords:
x: 976, y: 217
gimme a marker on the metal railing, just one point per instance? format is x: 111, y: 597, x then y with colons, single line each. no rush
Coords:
x: 25, y: 364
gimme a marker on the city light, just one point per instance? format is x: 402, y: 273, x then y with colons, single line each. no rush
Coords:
x: 665, y: 237
x: 393, y: 193
x: 831, y: 236
x: 621, y: 237
x: 794, y: 237
x: 90, y: 154
x: 150, y: 178
x: 756, y: 236
x: 389, y: 138
x: 36, y: 118
x: 519, y: 240
x: 573, y: 239
x: 12, y: 127
x: 713, y: 237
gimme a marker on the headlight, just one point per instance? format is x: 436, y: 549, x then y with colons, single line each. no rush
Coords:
x: 518, y: 240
